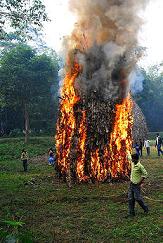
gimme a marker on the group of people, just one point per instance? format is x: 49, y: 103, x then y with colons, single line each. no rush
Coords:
x: 158, y: 144
x: 138, y: 174
x: 139, y: 147
x: 25, y: 158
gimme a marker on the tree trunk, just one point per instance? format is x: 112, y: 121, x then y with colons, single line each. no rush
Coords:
x: 26, y: 116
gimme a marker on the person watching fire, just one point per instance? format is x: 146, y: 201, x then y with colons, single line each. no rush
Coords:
x: 138, y: 174
x: 147, y: 146
x: 158, y: 144
x: 24, y: 159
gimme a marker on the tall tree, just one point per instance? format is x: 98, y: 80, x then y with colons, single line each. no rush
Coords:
x: 26, y: 79
x: 151, y: 98
x: 21, y: 15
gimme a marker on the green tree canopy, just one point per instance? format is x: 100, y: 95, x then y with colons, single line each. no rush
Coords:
x: 21, y: 15
x: 151, y: 98
x: 26, y: 79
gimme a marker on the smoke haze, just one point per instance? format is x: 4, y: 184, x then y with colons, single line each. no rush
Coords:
x: 104, y: 42
x: 94, y: 129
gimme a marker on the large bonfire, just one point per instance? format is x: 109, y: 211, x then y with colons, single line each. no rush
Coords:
x: 94, y: 129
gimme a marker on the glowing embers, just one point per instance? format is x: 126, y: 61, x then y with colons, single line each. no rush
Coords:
x: 82, y: 151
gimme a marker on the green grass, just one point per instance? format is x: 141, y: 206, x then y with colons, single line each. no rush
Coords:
x: 11, y: 148
x: 86, y: 213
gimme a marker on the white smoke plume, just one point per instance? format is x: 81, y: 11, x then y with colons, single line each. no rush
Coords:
x: 104, y: 41
x: 136, y: 79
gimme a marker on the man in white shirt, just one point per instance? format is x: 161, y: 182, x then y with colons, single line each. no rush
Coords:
x: 147, y: 146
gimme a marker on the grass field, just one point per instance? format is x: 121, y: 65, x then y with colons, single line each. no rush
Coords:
x: 47, y: 211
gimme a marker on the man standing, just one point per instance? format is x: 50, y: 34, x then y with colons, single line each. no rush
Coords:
x: 137, y: 149
x: 138, y: 174
x: 24, y: 158
x: 147, y: 146
x: 158, y: 144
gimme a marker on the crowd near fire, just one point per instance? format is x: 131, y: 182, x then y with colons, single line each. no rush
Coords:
x: 94, y: 128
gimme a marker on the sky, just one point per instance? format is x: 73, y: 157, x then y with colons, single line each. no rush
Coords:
x: 150, y: 36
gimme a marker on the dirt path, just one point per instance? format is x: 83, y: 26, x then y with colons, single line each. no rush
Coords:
x: 40, y: 159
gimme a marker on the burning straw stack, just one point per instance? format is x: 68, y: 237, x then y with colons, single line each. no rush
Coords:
x: 94, y: 129
x: 140, y: 129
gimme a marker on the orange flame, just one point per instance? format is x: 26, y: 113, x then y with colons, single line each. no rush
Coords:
x: 121, y: 138
x: 66, y: 123
x: 113, y: 163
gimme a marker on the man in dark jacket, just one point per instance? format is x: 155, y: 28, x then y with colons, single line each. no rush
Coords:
x: 158, y: 144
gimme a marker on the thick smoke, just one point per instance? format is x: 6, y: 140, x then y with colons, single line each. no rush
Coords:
x: 104, y: 42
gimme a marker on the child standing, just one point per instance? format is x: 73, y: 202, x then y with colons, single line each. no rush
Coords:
x: 51, y: 157
x: 24, y: 158
x: 138, y: 174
